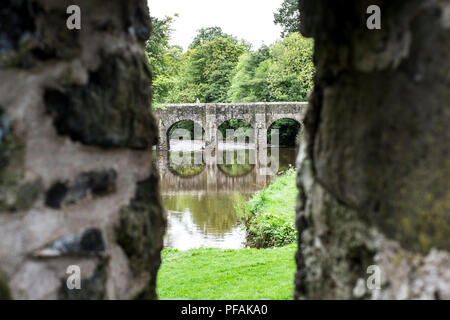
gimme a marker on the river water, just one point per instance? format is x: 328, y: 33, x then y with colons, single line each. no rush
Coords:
x: 200, y: 198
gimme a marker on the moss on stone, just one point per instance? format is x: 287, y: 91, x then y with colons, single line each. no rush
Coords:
x: 140, y: 233
x: 30, y: 36
x: 92, y: 288
x: 15, y: 193
x: 112, y: 110
x: 96, y: 183
x: 5, y: 293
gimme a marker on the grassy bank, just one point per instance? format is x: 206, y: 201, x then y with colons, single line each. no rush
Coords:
x: 246, y: 273
x: 227, y: 274
x: 269, y: 215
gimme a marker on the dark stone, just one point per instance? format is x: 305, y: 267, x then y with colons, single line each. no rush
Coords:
x: 92, y: 288
x: 97, y: 183
x: 88, y: 242
x: 16, y: 20
x: 112, y: 110
x: 140, y: 232
x: 138, y: 20
x: 28, y: 36
x: 5, y: 130
x: 56, y: 195
x: 92, y: 241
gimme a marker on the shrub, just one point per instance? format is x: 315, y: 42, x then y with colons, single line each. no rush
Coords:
x: 269, y: 215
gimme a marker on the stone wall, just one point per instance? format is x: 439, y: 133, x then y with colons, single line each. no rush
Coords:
x: 375, y: 171
x: 77, y: 184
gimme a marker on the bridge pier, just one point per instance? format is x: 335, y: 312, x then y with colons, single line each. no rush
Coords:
x: 163, y: 143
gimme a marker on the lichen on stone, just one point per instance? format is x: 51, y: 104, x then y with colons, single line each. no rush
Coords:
x: 28, y: 36
x: 140, y: 233
x: 5, y: 292
x: 112, y: 110
x: 16, y: 193
x: 92, y: 288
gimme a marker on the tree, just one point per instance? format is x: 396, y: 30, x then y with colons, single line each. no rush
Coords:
x: 208, y: 34
x: 158, y: 43
x: 288, y: 16
x: 163, y: 59
x: 249, y: 83
x: 207, y: 71
x: 282, y: 73
x: 291, y: 71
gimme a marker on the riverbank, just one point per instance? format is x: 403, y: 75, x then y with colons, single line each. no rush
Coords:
x: 269, y: 216
x: 243, y: 274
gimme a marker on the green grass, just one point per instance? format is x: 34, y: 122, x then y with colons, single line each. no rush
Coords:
x: 227, y: 274
x: 270, y: 214
x: 246, y: 273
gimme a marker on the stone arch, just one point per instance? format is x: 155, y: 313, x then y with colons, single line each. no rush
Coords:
x: 165, y: 128
x: 193, y: 171
x: 241, y: 118
x: 283, y: 117
x: 272, y: 118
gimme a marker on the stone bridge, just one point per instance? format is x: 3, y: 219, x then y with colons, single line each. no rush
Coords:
x: 260, y: 115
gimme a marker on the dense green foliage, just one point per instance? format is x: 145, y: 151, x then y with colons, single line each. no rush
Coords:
x: 288, y: 16
x: 219, y: 68
x: 163, y: 59
x: 209, y: 34
x: 269, y: 214
x: 245, y: 274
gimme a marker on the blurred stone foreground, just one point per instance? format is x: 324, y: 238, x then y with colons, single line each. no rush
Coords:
x: 77, y: 184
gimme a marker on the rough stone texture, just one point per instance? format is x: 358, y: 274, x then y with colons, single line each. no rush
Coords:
x: 25, y: 36
x: 94, y: 287
x: 89, y: 241
x: 96, y: 183
x: 118, y: 117
x: 16, y: 193
x: 139, y: 236
x: 76, y: 131
x: 374, y: 173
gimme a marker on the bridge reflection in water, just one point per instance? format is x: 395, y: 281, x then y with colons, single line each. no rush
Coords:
x: 200, y: 198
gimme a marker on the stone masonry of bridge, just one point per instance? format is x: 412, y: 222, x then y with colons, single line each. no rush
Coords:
x: 260, y: 115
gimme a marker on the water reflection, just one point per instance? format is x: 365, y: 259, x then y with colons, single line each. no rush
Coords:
x: 203, y: 221
x: 200, y: 198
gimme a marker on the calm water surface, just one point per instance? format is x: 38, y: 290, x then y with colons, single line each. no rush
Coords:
x: 200, y: 198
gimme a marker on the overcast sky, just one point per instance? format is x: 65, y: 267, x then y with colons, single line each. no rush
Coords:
x: 251, y: 20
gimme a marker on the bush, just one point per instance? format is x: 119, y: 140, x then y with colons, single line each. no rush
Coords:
x: 269, y: 215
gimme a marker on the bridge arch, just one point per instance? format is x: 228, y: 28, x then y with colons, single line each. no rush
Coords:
x: 260, y: 115
x: 289, y: 128
x: 186, y: 170
x: 236, y: 124
x: 196, y: 130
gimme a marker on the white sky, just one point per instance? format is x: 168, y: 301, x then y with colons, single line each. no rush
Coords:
x: 251, y: 20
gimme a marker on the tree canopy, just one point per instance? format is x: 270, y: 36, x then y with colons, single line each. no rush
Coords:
x: 288, y: 17
x: 218, y: 67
